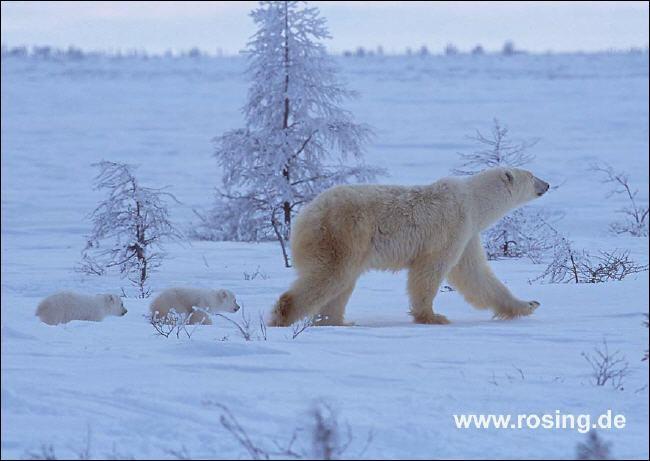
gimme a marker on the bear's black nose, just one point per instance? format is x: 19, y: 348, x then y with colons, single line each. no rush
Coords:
x: 545, y: 187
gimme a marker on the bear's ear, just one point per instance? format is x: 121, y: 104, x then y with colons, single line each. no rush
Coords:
x: 222, y: 294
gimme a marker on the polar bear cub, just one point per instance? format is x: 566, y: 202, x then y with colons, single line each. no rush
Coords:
x: 196, y: 302
x: 66, y: 306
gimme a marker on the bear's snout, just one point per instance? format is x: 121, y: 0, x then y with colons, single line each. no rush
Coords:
x: 541, y: 187
x: 236, y: 308
x: 124, y: 311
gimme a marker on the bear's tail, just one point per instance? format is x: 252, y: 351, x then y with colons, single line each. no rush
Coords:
x: 282, y: 311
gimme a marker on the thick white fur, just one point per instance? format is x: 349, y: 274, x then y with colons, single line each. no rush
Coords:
x: 185, y: 300
x: 66, y: 306
x: 433, y: 231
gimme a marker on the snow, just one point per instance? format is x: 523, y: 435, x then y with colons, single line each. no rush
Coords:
x: 119, y: 390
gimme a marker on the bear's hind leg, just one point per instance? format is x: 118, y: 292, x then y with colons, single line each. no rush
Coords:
x: 423, y: 282
x: 199, y: 317
x: 306, y: 297
x: 333, y: 313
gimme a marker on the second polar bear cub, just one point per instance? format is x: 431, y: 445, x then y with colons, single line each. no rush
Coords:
x: 66, y: 306
x: 432, y: 230
x: 193, y: 301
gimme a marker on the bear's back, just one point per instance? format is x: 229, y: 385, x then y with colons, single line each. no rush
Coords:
x: 180, y: 299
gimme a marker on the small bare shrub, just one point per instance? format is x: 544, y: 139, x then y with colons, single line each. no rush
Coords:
x: 172, y: 323
x: 523, y: 233
x: 614, y: 265
x: 572, y: 266
x: 594, y: 448
x: 256, y: 274
x: 607, y: 367
x: 646, y: 323
x: 262, y: 324
x: 115, y: 454
x: 243, y: 326
x: 181, y: 453
x: 301, y: 325
x: 230, y: 423
x: 328, y: 437
x: 328, y: 440
x: 635, y: 216
x: 85, y: 453
x: 45, y: 451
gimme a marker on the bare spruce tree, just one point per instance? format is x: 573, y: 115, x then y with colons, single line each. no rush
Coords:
x: 129, y: 227
x: 297, y: 140
x: 524, y: 232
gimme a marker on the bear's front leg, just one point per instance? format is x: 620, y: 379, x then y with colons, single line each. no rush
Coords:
x: 423, y: 282
x: 515, y: 309
x: 474, y: 279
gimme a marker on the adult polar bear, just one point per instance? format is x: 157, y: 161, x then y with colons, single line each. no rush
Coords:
x: 433, y: 231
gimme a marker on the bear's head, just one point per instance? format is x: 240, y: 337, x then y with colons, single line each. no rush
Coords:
x: 522, y: 185
x: 114, y: 305
x: 226, y: 301
x: 500, y: 190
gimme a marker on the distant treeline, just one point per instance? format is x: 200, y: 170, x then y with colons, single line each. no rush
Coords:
x: 508, y: 49
x: 450, y: 49
x: 74, y: 53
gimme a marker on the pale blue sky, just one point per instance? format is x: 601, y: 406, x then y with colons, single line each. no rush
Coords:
x: 158, y: 26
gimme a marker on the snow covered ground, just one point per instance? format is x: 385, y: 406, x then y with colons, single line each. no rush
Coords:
x: 116, y: 389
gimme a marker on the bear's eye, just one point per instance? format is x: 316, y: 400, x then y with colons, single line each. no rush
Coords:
x: 509, y: 176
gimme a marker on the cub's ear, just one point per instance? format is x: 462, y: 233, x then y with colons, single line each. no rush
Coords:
x: 222, y: 294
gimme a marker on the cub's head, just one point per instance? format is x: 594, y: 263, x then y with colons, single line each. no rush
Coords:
x: 114, y: 304
x: 226, y: 301
x: 522, y: 185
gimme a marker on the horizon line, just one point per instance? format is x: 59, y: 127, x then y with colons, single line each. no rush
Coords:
x: 360, y: 51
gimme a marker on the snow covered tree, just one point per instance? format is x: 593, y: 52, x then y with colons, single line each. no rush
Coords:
x: 128, y: 227
x: 498, y: 150
x: 451, y: 49
x: 525, y: 231
x: 478, y: 50
x: 297, y: 140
